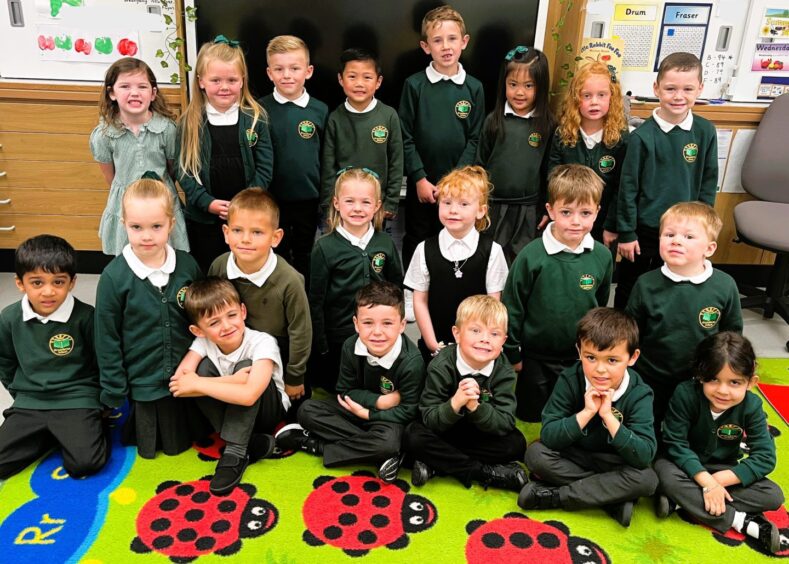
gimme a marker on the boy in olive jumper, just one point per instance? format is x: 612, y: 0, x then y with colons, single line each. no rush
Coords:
x: 297, y: 122
x: 684, y: 301
x: 672, y: 157
x: 467, y: 428
x: 381, y: 377
x: 708, y: 418
x: 441, y: 112
x: 553, y: 282
x: 363, y: 132
x: 596, y: 443
x: 48, y: 365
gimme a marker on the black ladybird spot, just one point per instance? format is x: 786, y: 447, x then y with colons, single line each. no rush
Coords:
x: 220, y: 526
x: 201, y: 497
x: 492, y: 540
x: 347, y: 519
x: 350, y: 500
x: 332, y: 533
x: 187, y: 535
x: 379, y: 521
x: 548, y: 540
x: 340, y: 487
x: 381, y: 501
x: 160, y: 525
x: 205, y: 543
x: 168, y: 504
x: 371, y: 486
x: 521, y: 540
x: 194, y: 515
x: 162, y: 542
x: 367, y: 537
x: 227, y: 506
x: 183, y: 490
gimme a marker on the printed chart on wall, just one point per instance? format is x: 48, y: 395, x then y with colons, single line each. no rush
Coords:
x: 634, y: 24
x: 771, y: 54
x: 684, y: 28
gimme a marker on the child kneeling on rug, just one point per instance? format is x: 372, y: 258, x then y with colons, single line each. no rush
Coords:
x: 708, y: 417
x: 467, y: 428
x: 381, y: 377
x: 48, y: 365
x: 597, y: 439
x: 236, y: 375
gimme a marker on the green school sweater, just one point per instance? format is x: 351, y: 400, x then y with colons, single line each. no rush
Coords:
x: 337, y: 271
x: 257, y: 155
x: 674, y: 317
x: 662, y: 169
x: 693, y: 439
x: 546, y: 295
x: 441, y: 125
x: 516, y: 162
x: 279, y: 308
x: 605, y: 161
x: 371, y: 140
x: 365, y: 383
x: 634, y: 441
x: 141, y: 333
x: 49, y: 365
x: 296, y: 136
x: 496, y: 411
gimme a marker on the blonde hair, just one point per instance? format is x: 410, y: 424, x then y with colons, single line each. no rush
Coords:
x: 613, y: 122
x: 441, y: 14
x: 471, y: 180
x: 109, y: 111
x: 695, y: 211
x: 362, y: 176
x: 256, y: 199
x: 191, y: 121
x: 574, y: 183
x: 150, y: 189
x: 286, y: 44
x: 483, y: 308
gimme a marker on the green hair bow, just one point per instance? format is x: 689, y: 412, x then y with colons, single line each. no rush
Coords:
x: 517, y: 54
x: 226, y: 41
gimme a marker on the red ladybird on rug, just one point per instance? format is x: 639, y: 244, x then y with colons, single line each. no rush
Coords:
x: 209, y: 449
x: 516, y: 539
x: 184, y: 521
x: 360, y: 512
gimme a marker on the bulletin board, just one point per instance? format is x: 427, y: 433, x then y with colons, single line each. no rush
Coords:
x: 76, y: 40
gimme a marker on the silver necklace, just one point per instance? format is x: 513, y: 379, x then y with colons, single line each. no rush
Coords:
x: 459, y: 268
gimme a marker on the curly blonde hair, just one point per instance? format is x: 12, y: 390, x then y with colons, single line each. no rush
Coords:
x: 472, y: 180
x: 614, y: 121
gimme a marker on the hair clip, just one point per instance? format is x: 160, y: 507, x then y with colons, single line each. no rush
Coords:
x: 516, y: 54
x: 150, y: 175
x: 612, y: 70
x: 363, y: 169
x: 226, y: 41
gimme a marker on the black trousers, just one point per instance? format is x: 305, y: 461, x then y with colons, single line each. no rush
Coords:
x: 323, y: 369
x: 421, y: 222
x: 589, y: 479
x: 27, y: 434
x: 299, y: 221
x: 463, y: 449
x: 535, y: 384
x: 762, y: 495
x: 206, y: 241
x: 349, y: 440
x: 628, y: 272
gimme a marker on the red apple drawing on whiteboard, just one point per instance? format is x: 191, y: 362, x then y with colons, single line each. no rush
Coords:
x: 82, y: 46
x: 127, y: 47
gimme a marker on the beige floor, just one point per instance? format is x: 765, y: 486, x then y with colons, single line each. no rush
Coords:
x: 767, y: 335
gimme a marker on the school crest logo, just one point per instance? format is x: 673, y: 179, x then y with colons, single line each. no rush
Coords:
x: 690, y: 152
x: 484, y: 395
x: 180, y: 297
x: 463, y: 109
x: 586, y: 282
x: 252, y: 137
x: 729, y: 432
x: 61, y: 344
x: 378, y: 262
x: 306, y: 129
x: 709, y: 317
x: 380, y: 134
x: 617, y: 414
x: 387, y: 386
x: 535, y: 139
x: 606, y: 164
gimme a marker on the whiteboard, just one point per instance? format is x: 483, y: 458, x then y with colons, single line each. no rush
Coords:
x: 26, y: 54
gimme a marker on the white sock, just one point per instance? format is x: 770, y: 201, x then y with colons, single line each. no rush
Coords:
x: 739, y: 521
x: 752, y: 530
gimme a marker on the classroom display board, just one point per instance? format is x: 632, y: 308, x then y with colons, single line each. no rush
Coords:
x: 78, y: 39
x: 389, y: 28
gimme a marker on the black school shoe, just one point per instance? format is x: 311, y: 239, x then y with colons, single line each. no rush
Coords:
x: 421, y: 473
x: 389, y: 468
x: 621, y: 512
x: 769, y: 536
x: 538, y: 495
x: 504, y: 476
x: 260, y: 446
x: 296, y: 437
x: 229, y: 471
x: 664, y: 506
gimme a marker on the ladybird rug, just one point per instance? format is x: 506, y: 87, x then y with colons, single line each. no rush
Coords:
x: 290, y: 509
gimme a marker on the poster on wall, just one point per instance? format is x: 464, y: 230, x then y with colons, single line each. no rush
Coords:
x: 775, y: 23
x: 684, y: 28
x: 771, y: 57
x: 634, y: 24
x: 60, y: 43
x: 603, y: 50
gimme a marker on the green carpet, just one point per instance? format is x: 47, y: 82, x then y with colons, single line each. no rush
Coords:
x: 118, y: 517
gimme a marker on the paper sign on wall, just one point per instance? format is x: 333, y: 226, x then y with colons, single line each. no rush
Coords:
x: 771, y: 57
x: 775, y: 24
x: 56, y: 43
x: 603, y: 50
